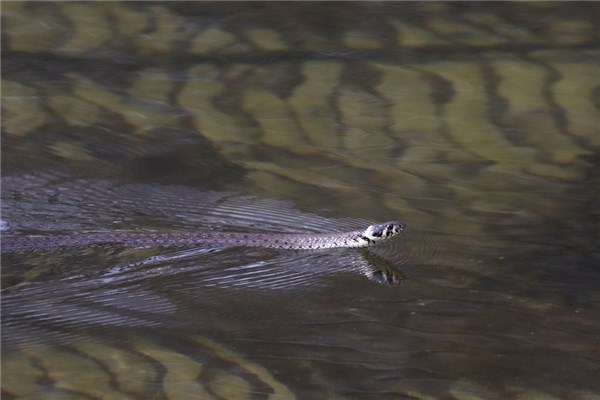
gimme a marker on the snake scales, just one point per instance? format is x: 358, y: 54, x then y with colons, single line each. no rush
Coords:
x: 360, y: 238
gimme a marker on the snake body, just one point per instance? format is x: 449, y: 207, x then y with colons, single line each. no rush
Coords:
x: 360, y: 238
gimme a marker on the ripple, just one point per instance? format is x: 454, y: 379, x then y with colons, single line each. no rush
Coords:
x: 82, y: 290
x: 47, y: 203
x: 412, y: 247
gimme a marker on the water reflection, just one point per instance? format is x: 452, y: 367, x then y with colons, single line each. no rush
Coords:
x: 475, y: 125
x: 70, y: 288
x: 464, y: 307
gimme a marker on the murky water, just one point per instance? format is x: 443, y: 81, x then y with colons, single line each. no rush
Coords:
x: 476, y: 125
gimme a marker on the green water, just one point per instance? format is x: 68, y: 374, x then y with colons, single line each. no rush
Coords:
x: 476, y: 125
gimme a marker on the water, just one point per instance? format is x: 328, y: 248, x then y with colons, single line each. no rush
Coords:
x: 477, y: 126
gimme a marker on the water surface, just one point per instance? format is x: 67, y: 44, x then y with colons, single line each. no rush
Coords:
x: 475, y: 125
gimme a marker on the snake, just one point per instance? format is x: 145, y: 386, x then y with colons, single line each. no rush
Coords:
x: 355, y: 239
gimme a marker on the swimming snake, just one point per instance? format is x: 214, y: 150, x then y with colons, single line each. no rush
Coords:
x: 360, y: 238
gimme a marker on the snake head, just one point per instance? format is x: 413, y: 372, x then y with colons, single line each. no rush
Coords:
x: 377, y: 232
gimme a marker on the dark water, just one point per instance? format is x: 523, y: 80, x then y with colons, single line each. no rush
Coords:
x: 477, y: 126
